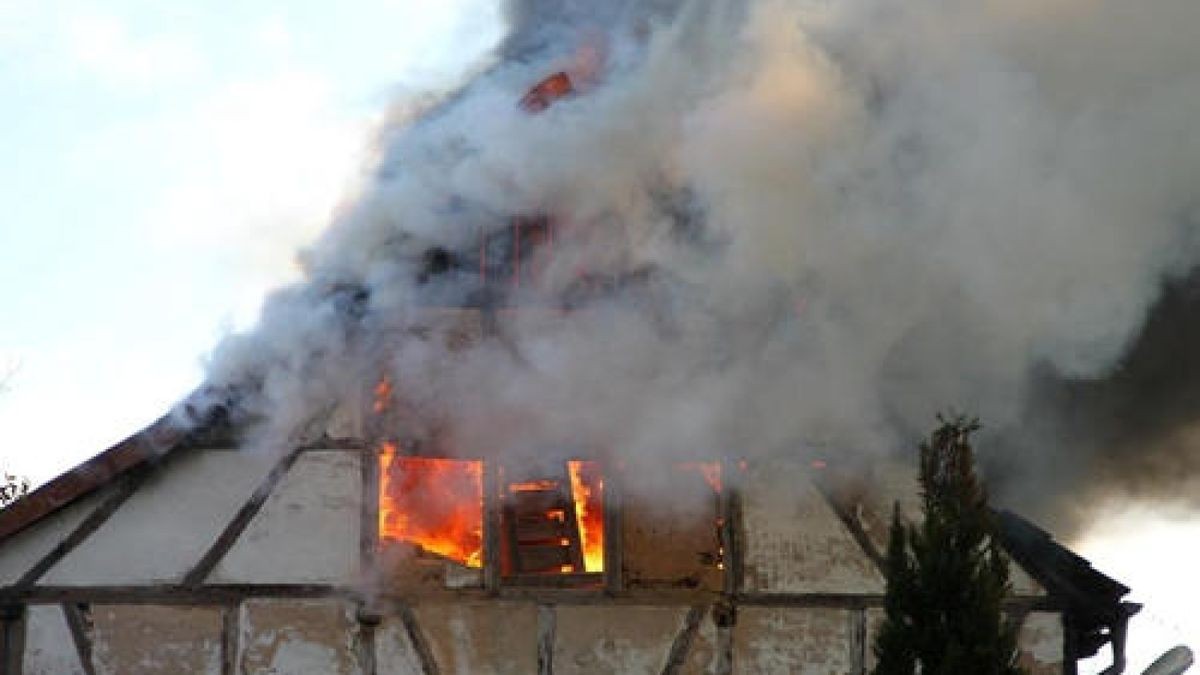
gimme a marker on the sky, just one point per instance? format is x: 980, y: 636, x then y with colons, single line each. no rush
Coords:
x: 164, y: 162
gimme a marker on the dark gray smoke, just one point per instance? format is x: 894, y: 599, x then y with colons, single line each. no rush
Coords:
x: 779, y: 224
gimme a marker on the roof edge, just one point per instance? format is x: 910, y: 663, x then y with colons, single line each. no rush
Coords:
x: 152, y: 442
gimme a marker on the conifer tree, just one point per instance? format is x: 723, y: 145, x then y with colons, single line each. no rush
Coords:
x: 947, y: 577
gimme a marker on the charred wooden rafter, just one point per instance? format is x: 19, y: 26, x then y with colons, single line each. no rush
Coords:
x: 681, y: 646
x: 417, y: 639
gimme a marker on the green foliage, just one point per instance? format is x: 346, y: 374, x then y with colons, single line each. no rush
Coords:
x: 947, y: 577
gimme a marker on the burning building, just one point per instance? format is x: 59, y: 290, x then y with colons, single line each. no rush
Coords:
x: 604, y: 368
x: 178, y: 552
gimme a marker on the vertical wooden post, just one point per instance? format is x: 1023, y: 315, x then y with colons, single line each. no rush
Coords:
x: 731, y: 527
x: 614, y: 530
x: 12, y: 639
x: 491, y: 526
x: 368, y: 539
x: 858, y: 641
x: 547, y: 626
x: 230, y: 638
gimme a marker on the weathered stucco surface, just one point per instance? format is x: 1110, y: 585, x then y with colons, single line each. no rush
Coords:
x: 23, y: 550
x: 597, y: 640
x: 394, y: 653
x: 156, y: 640
x: 165, y: 527
x: 298, y: 637
x: 49, y: 649
x: 1041, y: 641
x: 702, y: 656
x: 481, y: 638
x: 307, y: 531
x: 801, y: 641
x: 794, y: 541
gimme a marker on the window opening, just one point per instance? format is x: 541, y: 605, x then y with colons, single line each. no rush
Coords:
x: 552, y: 521
x: 432, y: 503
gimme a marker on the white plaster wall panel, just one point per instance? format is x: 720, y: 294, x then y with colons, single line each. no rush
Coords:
x: 494, y: 638
x: 799, y: 641
x: 23, y: 550
x: 596, y: 640
x: 298, y: 637
x: 161, y: 531
x: 308, y: 529
x: 1041, y: 643
x: 156, y: 640
x: 49, y: 648
x: 795, y: 543
x: 394, y: 653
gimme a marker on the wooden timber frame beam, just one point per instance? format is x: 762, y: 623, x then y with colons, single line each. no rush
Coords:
x: 614, y: 531
x: 76, y: 616
x: 732, y: 538
x: 229, y: 536
x: 12, y: 639
x: 122, y: 491
x: 368, y: 613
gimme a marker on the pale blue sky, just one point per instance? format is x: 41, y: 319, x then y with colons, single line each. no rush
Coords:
x: 162, y: 164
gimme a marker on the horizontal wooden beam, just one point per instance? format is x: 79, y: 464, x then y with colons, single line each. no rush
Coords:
x: 230, y: 594
x: 214, y: 594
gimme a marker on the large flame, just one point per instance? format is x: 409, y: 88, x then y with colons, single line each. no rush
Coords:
x: 436, y: 504
x: 587, y: 491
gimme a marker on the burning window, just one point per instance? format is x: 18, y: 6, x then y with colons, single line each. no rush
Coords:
x: 549, y: 524
x: 432, y: 503
x: 553, y: 523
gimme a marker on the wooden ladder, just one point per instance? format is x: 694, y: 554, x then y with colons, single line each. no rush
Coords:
x: 540, y: 527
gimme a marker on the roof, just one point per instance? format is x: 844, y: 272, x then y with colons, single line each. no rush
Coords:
x: 1090, y: 598
x: 146, y: 445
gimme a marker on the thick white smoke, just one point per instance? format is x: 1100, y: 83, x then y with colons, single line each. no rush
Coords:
x: 818, y: 221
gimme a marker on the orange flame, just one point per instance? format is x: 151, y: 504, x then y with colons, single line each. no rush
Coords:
x: 383, y: 394
x: 587, y: 491
x: 436, y: 504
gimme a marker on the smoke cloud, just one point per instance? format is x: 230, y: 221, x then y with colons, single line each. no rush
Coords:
x: 779, y: 226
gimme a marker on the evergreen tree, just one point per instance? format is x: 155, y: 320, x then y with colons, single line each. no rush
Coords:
x: 947, y: 577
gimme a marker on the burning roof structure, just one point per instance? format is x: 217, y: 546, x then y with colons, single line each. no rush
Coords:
x: 604, y: 368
